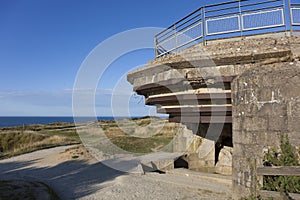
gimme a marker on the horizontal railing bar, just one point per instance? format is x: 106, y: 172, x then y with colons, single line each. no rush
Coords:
x: 236, y: 1
x: 171, y: 30
x: 279, y: 171
x: 262, y: 9
x: 243, y: 12
x: 181, y: 19
x: 170, y: 50
x: 230, y: 2
x: 259, y: 3
x: 198, y: 15
x: 224, y: 3
x: 186, y: 43
x: 196, y: 27
x: 218, y: 10
x: 261, y: 28
x: 222, y: 15
x: 166, y: 38
x: 160, y: 47
x: 179, y: 31
x: 211, y: 5
x: 158, y: 38
x: 191, y: 25
x: 265, y: 194
x: 187, y: 16
x: 264, y: 27
x: 163, y: 32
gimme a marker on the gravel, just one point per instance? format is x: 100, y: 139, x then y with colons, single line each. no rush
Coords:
x: 86, y: 178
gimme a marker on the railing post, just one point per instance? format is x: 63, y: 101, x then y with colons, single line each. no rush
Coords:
x: 287, y: 16
x: 156, y: 47
x: 203, y: 26
x: 240, y: 19
x: 175, y: 35
x: 290, y: 16
x: 232, y: 9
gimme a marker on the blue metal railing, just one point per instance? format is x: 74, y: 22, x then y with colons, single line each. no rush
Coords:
x: 229, y: 19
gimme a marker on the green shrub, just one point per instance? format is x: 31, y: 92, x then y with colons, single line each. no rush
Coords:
x: 285, y: 156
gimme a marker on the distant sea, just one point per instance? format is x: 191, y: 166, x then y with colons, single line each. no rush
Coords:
x: 20, y: 121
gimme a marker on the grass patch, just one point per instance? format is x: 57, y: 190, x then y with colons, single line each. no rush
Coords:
x: 24, y: 139
x: 15, y: 142
x: 140, y: 145
x: 144, y: 143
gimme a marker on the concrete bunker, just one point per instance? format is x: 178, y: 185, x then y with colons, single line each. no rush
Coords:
x: 229, y: 90
x: 225, y: 103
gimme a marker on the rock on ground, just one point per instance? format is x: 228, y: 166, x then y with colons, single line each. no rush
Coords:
x: 224, y: 164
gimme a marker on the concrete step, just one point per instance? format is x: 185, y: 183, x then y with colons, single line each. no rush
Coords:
x: 201, y: 119
x: 200, y: 91
x: 186, y: 97
x: 195, y: 109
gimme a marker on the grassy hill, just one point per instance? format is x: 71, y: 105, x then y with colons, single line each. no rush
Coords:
x: 139, y: 135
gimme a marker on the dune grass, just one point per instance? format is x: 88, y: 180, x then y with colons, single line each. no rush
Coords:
x: 142, y: 140
x: 19, y: 140
x: 140, y: 135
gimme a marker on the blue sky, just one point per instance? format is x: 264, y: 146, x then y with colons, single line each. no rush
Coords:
x: 44, y: 42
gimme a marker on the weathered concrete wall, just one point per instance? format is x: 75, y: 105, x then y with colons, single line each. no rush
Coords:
x: 219, y: 59
x: 266, y: 105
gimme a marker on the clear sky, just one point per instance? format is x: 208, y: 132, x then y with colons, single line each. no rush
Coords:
x: 44, y: 42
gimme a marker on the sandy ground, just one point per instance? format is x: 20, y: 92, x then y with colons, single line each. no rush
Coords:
x: 73, y: 174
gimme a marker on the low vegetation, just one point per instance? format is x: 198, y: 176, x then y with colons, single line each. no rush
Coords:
x: 19, y: 140
x: 21, y: 189
x: 141, y: 145
x: 134, y: 136
x: 285, y: 156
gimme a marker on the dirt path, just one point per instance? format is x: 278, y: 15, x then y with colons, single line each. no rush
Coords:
x: 86, y: 178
